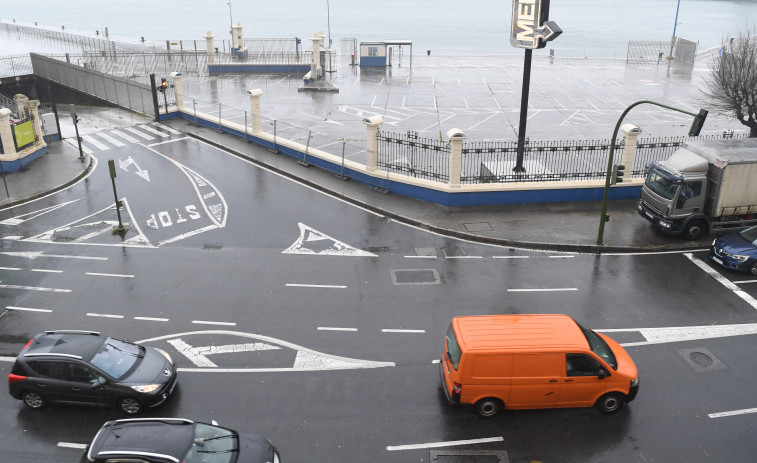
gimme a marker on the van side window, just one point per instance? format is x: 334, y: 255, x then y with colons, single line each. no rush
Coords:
x: 581, y: 365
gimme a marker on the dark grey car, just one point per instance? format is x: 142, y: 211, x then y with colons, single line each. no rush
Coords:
x: 85, y: 367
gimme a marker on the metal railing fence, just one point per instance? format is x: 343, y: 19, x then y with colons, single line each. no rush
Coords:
x: 414, y: 156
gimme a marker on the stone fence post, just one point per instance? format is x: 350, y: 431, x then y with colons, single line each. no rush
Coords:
x: 178, y: 90
x: 6, y: 134
x: 255, y: 94
x: 209, y: 47
x: 630, y: 133
x: 33, y: 107
x: 372, y: 123
x: 456, y: 138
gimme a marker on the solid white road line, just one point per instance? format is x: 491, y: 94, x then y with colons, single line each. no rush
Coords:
x: 109, y: 275
x: 722, y: 280
x: 205, y: 322
x: 295, y: 285
x: 452, y: 443
x: 733, y: 413
x: 527, y: 290
x: 27, y: 309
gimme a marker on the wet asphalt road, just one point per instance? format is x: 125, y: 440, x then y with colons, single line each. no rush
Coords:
x: 220, y: 252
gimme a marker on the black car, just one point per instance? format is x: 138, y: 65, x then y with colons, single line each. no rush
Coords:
x: 85, y: 367
x: 174, y: 440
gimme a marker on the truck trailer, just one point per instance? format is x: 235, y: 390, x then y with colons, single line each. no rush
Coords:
x: 704, y: 186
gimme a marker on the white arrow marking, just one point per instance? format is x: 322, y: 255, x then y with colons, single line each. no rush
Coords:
x: 129, y: 161
x: 306, y: 360
x: 198, y: 355
x: 313, y: 242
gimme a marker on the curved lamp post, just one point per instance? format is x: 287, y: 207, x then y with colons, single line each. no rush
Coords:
x: 696, y: 127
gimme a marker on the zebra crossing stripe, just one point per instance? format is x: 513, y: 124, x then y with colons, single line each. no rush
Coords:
x: 92, y: 141
x: 138, y: 133
x: 166, y: 128
x: 156, y: 132
x: 110, y: 139
x: 124, y: 136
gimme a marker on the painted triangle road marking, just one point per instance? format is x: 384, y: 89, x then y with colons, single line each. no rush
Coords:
x: 313, y: 242
x: 34, y: 214
x: 198, y: 355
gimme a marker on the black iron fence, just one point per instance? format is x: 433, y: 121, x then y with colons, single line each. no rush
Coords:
x: 414, y: 156
x: 543, y: 161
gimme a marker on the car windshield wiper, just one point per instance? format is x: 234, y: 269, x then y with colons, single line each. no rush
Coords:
x: 140, y: 348
x: 202, y: 440
x: 217, y: 451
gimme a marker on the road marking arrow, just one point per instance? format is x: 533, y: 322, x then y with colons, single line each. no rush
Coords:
x: 197, y: 355
x: 128, y: 162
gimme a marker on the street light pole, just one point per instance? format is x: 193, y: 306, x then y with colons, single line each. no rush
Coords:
x: 231, y: 26
x: 675, y: 25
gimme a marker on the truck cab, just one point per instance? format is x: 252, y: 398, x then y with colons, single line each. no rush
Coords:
x: 674, y: 193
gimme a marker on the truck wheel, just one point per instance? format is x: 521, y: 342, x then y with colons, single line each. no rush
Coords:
x: 610, y: 403
x: 694, y: 230
x: 488, y: 407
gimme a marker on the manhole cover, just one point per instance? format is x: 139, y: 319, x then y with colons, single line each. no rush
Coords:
x: 701, y: 359
x: 415, y: 277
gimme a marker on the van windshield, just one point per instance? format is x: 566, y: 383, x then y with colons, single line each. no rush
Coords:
x: 453, y: 349
x: 600, y: 347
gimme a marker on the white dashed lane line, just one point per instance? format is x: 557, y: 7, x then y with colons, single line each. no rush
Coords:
x: 299, y: 285
x: 206, y: 322
x: 104, y: 315
x: 334, y: 328
x: 27, y: 309
x: 114, y: 275
x: 71, y: 445
x: 745, y: 411
x: 534, y: 290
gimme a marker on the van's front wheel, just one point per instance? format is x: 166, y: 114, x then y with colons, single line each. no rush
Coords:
x: 488, y: 407
x: 610, y: 403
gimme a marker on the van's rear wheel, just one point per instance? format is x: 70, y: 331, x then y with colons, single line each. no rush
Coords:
x: 488, y: 407
x: 610, y: 403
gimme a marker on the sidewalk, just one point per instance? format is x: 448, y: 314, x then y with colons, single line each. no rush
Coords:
x: 570, y: 227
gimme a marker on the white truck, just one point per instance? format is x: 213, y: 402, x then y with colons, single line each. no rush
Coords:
x: 704, y: 186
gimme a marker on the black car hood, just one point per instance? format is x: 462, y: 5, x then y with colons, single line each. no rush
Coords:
x: 254, y: 448
x: 154, y: 368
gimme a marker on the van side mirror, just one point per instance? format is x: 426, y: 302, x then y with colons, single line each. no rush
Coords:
x: 603, y: 373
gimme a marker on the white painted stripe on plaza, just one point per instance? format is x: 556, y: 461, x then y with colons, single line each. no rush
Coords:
x: 114, y: 275
x: 684, y: 333
x: 207, y: 322
x: 722, y: 280
x: 92, y: 141
x: 126, y: 137
x: 10, y: 268
x: 745, y: 411
x: 44, y: 270
x: 393, y: 330
x: 302, y: 285
x: 104, y: 315
x: 110, y: 139
x: 534, y: 290
x: 36, y: 288
x: 452, y: 443
x: 71, y: 445
x: 334, y: 328
x: 139, y: 133
x: 27, y: 309
x: 151, y: 319
x: 305, y: 360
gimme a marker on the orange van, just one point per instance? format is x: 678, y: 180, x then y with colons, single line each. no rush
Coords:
x: 534, y: 361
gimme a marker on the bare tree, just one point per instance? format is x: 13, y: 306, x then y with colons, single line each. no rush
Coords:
x: 731, y: 87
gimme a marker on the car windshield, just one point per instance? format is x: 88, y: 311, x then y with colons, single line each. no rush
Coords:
x: 212, y: 444
x: 600, y: 347
x: 116, y: 357
x: 453, y: 349
x: 663, y: 185
x: 749, y: 234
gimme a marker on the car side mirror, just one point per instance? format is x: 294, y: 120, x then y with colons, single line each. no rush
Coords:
x: 101, y: 381
x: 603, y: 374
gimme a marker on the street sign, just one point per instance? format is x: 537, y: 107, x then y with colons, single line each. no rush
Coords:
x: 530, y: 27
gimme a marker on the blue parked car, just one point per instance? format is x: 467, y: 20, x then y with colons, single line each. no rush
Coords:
x: 737, y: 251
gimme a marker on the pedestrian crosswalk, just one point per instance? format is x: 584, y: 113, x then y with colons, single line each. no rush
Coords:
x: 123, y: 136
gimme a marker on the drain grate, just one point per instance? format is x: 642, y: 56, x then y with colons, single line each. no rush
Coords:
x: 415, y: 277
x: 461, y: 456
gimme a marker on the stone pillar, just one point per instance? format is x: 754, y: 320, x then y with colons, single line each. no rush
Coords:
x: 6, y: 133
x: 178, y: 90
x: 257, y: 125
x: 630, y: 133
x: 21, y: 101
x: 456, y: 138
x: 372, y: 123
x: 210, y: 48
x: 236, y: 37
x: 33, y: 106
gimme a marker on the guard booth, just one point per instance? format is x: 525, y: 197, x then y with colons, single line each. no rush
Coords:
x: 373, y: 54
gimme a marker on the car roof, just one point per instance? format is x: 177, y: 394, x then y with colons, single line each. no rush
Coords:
x: 81, y: 343
x: 519, y: 332
x: 161, y: 438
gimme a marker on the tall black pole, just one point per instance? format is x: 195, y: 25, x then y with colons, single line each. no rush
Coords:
x: 523, y: 111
